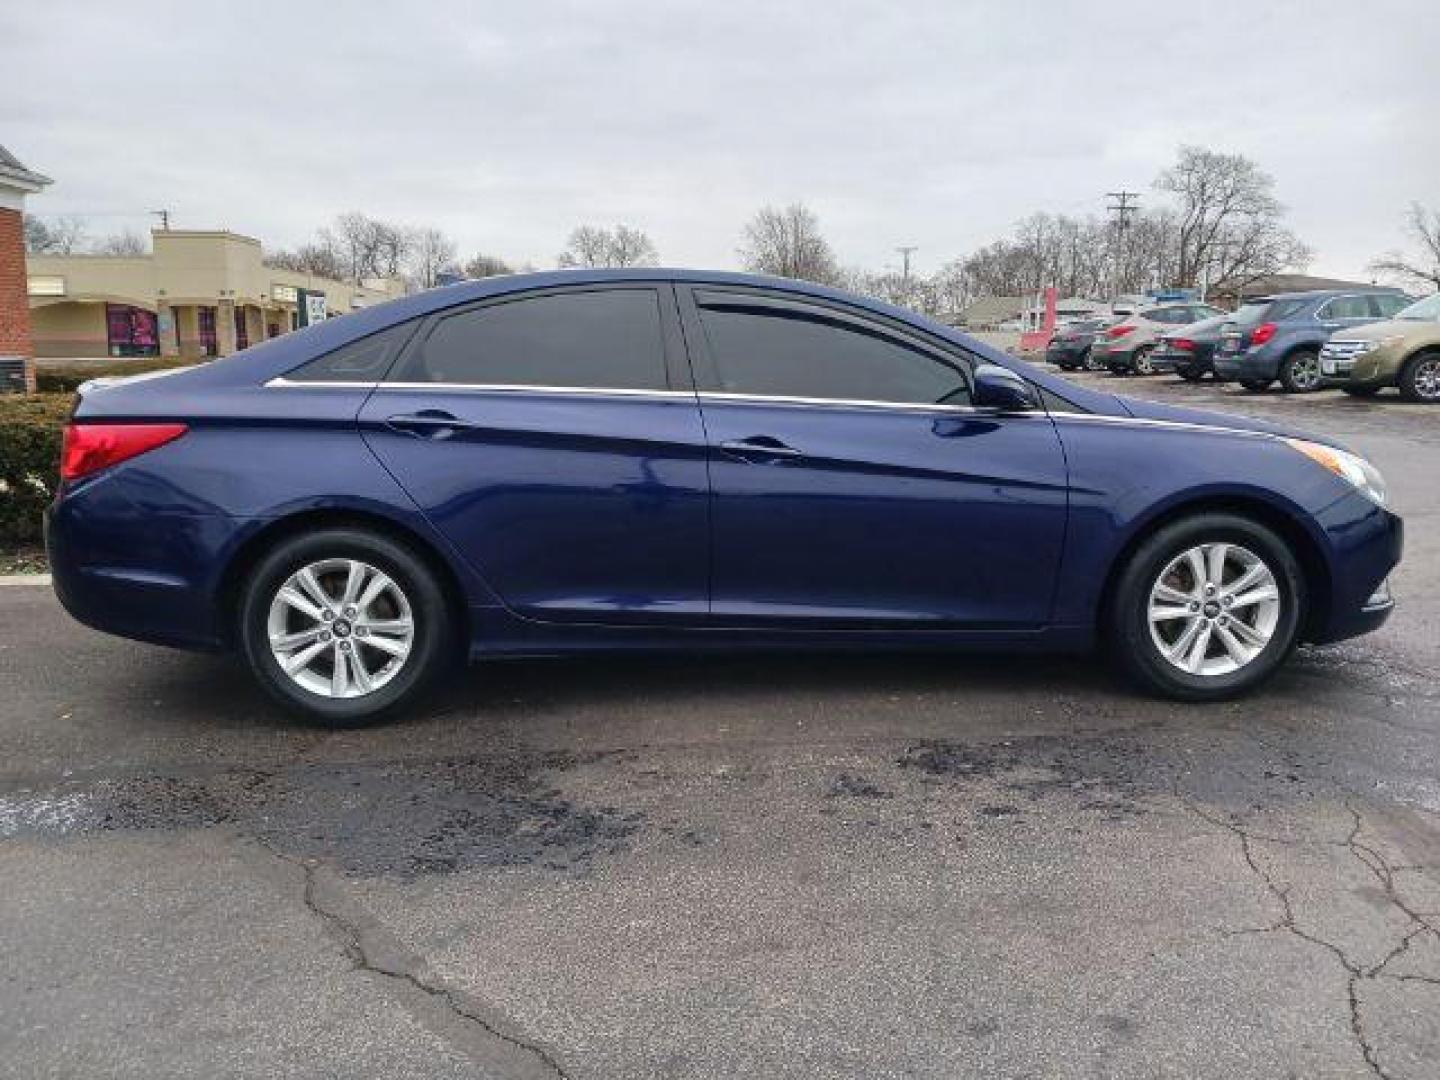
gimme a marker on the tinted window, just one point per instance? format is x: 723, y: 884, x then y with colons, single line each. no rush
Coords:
x: 1388, y: 304
x: 365, y: 360
x: 804, y: 353
x: 608, y: 339
x: 1347, y: 307
x: 1286, y: 309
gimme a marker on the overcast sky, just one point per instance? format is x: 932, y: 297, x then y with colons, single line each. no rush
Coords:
x: 924, y: 122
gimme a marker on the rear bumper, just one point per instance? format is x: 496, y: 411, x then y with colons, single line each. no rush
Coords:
x: 1069, y: 353
x: 169, y: 599
x: 1246, y: 365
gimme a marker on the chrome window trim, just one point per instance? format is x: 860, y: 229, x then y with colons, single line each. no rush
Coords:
x: 1176, y: 425
x: 282, y: 383
x: 849, y: 403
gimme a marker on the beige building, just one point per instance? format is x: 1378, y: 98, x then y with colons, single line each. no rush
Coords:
x: 199, y: 294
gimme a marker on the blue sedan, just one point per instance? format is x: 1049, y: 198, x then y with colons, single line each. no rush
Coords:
x: 674, y: 460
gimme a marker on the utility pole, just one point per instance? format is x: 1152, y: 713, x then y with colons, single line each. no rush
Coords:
x: 164, y: 216
x: 1125, y: 204
x: 905, y: 253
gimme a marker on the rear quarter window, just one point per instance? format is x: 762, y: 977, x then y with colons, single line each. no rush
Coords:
x: 363, y: 361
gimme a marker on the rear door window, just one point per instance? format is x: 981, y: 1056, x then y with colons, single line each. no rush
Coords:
x: 606, y: 339
x: 1346, y: 307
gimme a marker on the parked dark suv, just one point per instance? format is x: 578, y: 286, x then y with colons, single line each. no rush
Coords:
x: 1279, y: 337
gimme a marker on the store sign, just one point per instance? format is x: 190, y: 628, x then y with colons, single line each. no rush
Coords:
x: 284, y: 294
x: 314, y: 308
x: 46, y: 286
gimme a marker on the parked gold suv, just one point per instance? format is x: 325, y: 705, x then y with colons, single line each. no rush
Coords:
x: 1403, y: 351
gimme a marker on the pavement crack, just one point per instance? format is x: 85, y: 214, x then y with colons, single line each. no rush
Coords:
x: 364, y: 958
x: 1281, y: 895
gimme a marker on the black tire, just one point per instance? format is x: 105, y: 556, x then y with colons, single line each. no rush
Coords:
x: 1089, y: 363
x: 1190, y: 374
x: 1140, y: 360
x: 1128, y: 632
x: 1300, y: 372
x: 432, y: 648
x: 1361, y: 391
x: 1256, y: 386
x: 1420, y: 378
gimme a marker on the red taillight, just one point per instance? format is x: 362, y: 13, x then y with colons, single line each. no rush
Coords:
x: 88, y: 448
x: 1118, y: 331
x: 1184, y: 344
x: 1263, y: 333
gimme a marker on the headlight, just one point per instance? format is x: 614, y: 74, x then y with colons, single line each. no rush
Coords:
x: 1349, y: 467
x: 1379, y: 343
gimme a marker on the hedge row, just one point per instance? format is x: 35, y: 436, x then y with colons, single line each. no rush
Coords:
x: 66, y: 378
x: 30, y: 431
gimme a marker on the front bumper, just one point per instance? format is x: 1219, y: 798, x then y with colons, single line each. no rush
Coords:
x: 1366, y: 544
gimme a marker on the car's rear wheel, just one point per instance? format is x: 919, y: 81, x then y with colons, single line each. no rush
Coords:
x: 1420, y: 379
x: 345, y: 625
x: 1207, y: 608
x: 1090, y: 362
x: 1361, y: 391
x: 1256, y: 386
x: 1190, y: 374
x: 1140, y: 361
x: 1300, y: 371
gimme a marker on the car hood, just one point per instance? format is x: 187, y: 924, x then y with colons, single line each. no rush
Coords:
x: 1416, y: 328
x: 1175, y: 414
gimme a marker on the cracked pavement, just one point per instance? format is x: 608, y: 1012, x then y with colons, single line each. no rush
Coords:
x: 917, y: 866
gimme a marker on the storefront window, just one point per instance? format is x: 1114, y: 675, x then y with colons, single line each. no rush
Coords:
x: 209, y: 342
x: 131, y: 331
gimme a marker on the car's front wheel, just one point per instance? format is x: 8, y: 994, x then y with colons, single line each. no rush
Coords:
x: 1207, y: 608
x: 1420, y: 379
x: 344, y: 625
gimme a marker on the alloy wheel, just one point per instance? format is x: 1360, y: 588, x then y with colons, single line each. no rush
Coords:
x: 1427, y: 379
x: 1142, y: 362
x: 1213, y: 609
x: 340, y: 628
x: 1305, y: 372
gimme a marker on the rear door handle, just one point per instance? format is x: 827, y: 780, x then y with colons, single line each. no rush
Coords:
x: 428, y: 424
x: 759, y: 448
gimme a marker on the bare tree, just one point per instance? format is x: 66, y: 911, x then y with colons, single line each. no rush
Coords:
x: 128, y: 243
x: 368, y: 247
x: 1229, y: 221
x: 63, y: 236
x: 787, y: 243
x: 483, y: 266
x: 320, y: 258
x: 431, y: 255
x: 1423, y: 269
x: 593, y: 245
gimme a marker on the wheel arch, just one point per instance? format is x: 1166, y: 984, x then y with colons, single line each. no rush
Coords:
x: 255, y: 546
x: 1308, y: 553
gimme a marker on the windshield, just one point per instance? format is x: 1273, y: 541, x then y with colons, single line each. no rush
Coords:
x: 1427, y: 310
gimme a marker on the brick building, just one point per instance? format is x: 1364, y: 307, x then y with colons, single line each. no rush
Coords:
x: 16, y: 346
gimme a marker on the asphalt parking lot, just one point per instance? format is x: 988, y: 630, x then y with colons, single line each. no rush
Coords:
x: 912, y: 866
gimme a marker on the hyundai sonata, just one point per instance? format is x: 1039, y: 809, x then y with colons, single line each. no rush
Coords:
x: 656, y: 459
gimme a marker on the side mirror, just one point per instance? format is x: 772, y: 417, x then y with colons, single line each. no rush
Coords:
x: 1002, y: 390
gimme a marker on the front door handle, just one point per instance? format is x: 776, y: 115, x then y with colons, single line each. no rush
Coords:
x: 428, y: 424
x: 759, y: 448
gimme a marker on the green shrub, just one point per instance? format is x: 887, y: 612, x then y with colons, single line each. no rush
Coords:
x: 66, y: 378
x: 30, y: 432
